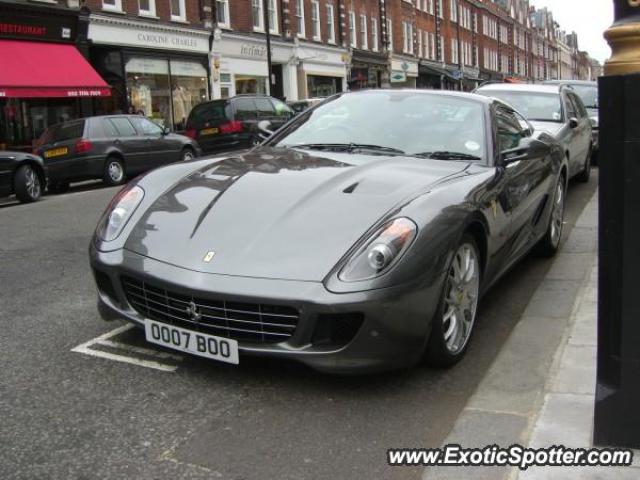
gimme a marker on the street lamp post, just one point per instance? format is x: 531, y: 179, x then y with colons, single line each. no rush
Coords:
x: 617, y: 406
x: 267, y: 33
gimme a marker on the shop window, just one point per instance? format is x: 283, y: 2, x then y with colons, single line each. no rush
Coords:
x: 321, y: 86
x: 188, y: 88
x: 114, y: 5
x: 178, y: 10
x: 250, y: 84
x: 225, y: 85
x: 149, y: 89
x: 147, y: 8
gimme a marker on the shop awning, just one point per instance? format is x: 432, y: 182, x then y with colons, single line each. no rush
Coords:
x: 433, y: 70
x: 37, y: 69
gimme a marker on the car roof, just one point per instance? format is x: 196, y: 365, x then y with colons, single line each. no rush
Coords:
x: 520, y: 87
x: 571, y: 82
x: 439, y: 93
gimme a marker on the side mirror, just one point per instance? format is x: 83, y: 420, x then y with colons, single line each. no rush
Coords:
x: 573, y: 122
x: 529, y: 148
x: 264, y: 129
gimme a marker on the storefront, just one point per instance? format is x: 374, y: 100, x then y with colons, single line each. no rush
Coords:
x: 432, y: 76
x: 240, y: 66
x: 368, y: 70
x: 44, y: 76
x: 158, y: 71
x: 322, y: 71
x: 404, y: 72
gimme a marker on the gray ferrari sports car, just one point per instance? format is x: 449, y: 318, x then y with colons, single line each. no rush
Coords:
x: 359, y: 237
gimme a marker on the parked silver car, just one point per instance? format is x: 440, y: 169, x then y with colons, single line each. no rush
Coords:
x: 556, y: 109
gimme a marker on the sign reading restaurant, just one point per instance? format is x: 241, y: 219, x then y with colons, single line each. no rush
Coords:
x: 25, y: 27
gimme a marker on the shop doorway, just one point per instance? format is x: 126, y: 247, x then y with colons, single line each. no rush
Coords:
x: 278, y: 88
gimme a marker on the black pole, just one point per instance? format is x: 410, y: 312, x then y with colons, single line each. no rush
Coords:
x: 459, y: 11
x: 267, y: 33
x: 617, y: 405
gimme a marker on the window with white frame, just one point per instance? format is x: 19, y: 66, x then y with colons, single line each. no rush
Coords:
x: 300, y: 17
x: 114, y: 5
x: 315, y: 20
x: 331, y: 30
x: 147, y: 8
x: 440, y: 49
x: 273, y: 16
x: 431, y: 6
x: 178, y: 10
x: 454, y: 51
x: 352, y: 29
x: 390, y: 34
x: 407, y: 37
x: 420, y: 46
x: 374, y: 34
x: 222, y: 11
x: 440, y: 10
x: 258, y: 16
x: 454, y: 10
x: 364, y: 41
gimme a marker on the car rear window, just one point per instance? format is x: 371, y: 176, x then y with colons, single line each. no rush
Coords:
x: 212, y: 113
x: 245, y: 108
x: 65, y: 131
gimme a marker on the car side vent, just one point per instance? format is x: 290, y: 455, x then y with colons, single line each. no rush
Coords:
x: 351, y: 188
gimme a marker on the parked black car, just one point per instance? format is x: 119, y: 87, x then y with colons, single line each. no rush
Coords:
x: 111, y: 147
x: 557, y: 110
x: 22, y: 174
x: 233, y: 122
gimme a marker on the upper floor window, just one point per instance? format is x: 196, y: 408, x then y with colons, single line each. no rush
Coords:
x: 407, y: 37
x: 374, y: 34
x: 315, y: 19
x: 115, y: 5
x: 178, y: 11
x: 147, y: 7
x: 364, y: 41
x: 331, y: 30
x: 352, y: 29
x: 454, y: 10
x: 222, y: 10
x: 258, y: 16
x: 390, y: 34
x: 300, y: 17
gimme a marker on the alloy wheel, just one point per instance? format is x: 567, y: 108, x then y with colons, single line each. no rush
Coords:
x: 116, y: 173
x: 32, y: 183
x: 187, y: 155
x: 461, y: 300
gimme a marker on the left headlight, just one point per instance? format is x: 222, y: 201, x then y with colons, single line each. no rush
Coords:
x: 380, y: 252
x: 594, y: 122
x: 118, y: 212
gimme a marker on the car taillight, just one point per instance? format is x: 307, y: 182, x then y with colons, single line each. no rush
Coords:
x: 191, y: 133
x: 83, y: 146
x: 234, y: 126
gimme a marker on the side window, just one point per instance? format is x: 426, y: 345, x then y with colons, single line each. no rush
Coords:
x: 265, y: 109
x: 245, y: 108
x: 145, y: 126
x: 68, y: 131
x: 282, y: 109
x: 123, y: 127
x: 508, y: 129
x: 579, y: 106
x: 569, y: 108
x: 524, y: 124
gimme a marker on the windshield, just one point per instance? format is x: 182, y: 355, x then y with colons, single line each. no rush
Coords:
x: 400, y: 122
x: 543, y: 107
x: 588, y: 94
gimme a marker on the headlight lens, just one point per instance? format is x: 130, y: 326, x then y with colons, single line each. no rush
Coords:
x: 118, y: 213
x: 594, y: 122
x: 380, y: 252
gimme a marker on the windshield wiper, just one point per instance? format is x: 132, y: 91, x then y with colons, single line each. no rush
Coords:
x: 347, y: 147
x: 445, y: 155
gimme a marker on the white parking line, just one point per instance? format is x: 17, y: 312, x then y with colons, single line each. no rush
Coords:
x: 86, y: 349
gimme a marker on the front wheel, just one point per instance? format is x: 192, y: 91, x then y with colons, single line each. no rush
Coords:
x: 455, y: 318
x: 187, y: 155
x: 549, y: 244
x: 114, y: 173
x: 27, y: 184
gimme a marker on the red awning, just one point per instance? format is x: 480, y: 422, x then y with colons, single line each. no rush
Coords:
x: 35, y: 69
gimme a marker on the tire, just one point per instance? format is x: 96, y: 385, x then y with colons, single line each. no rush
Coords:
x: 455, y: 317
x: 187, y: 155
x: 58, y: 187
x: 27, y: 184
x: 114, y: 172
x: 550, y: 242
x: 586, y: 171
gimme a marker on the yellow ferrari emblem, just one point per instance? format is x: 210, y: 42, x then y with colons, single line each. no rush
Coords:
x: 208, y: 257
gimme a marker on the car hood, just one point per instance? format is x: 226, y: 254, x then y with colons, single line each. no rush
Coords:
x: 278, y: 213
x: 552, y: 128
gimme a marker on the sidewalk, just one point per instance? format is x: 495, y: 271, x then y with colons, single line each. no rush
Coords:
x: 539, y: 392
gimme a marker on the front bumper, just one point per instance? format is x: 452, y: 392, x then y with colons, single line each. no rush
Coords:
x: 395, y: 321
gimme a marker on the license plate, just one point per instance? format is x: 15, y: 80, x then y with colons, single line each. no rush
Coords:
x: 56, y: 152
x: 202, y: 344
x: 209, y: 131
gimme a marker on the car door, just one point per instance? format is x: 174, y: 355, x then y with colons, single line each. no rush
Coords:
x: 526, y: 181
x: 160, y: 149
x: 266, y: 111
x: 583, y: 131
x: 573, y: 135
x: 127, y: 141
x: 6, y: 166
x: 59, y: 151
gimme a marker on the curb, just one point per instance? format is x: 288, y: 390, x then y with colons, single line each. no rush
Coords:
x: 504, y: 408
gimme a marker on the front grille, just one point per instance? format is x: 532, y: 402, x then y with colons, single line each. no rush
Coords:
x: 248, y: 322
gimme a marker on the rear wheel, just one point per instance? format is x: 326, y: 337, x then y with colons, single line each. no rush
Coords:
x: 186, y: 155
x: 454, y: 321
x: 114, y: 173
x: 549, y: 244
x: 27, y: 184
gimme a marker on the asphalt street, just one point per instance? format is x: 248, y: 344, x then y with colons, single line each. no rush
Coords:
x: 69, y: 415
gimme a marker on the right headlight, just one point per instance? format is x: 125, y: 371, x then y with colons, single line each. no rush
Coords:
x: 380, y: 252
x: 118, y: 212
